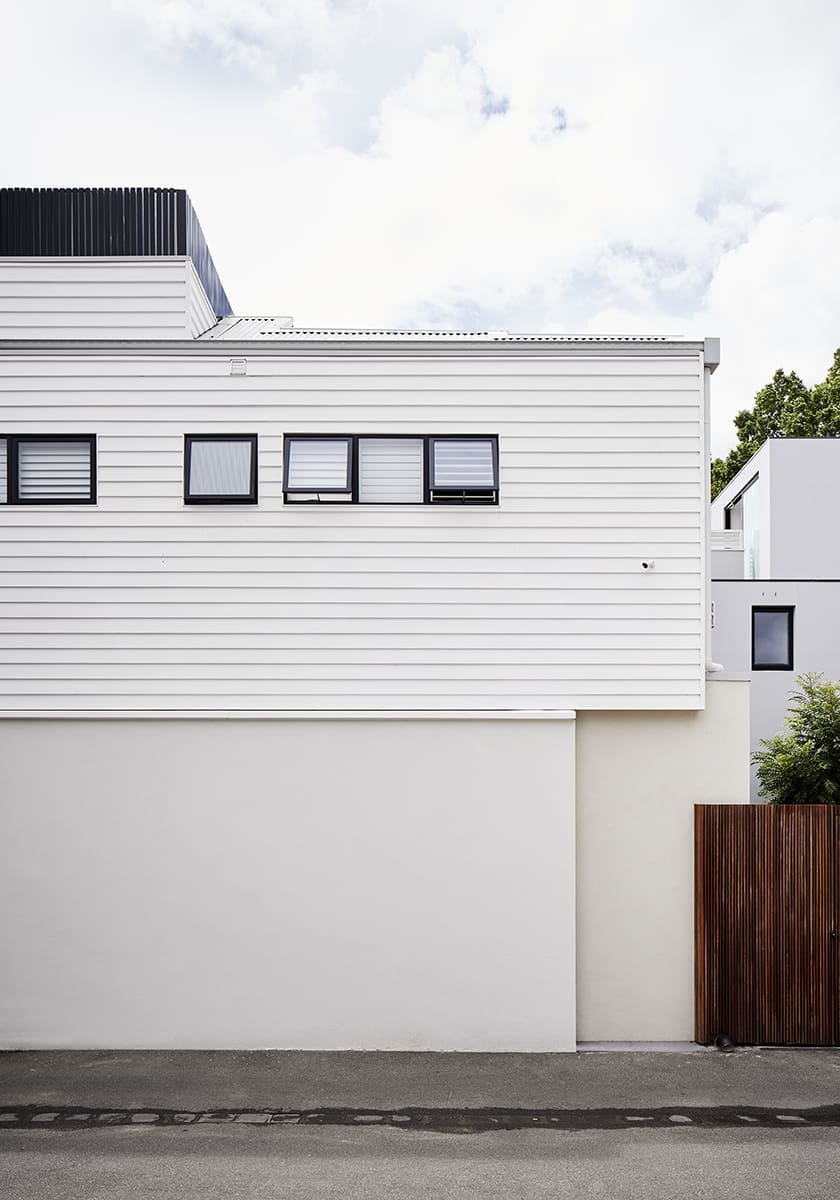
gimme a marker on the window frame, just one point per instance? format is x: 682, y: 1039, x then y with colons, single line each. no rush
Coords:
x: 13, y: 441
x: 288, y: 439
x: 351, y: 495
x: 458, y: 495
x: 737, y: 499
x: 779, y: 608
x: 190, y: 438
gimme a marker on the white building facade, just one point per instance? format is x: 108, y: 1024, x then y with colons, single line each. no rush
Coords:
x: 776, y: 575
x: 323, y: 656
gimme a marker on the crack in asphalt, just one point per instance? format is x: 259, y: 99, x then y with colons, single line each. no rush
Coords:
x: 438, y: 1120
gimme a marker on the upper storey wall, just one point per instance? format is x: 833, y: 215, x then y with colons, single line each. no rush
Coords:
x: 96, y: 298
x: 111, y: 223
x: 142, y: 604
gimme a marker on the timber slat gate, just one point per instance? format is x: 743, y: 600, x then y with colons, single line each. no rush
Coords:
x: 767, y: 924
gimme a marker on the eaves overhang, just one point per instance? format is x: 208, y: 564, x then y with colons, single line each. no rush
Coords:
x: 356, y: 346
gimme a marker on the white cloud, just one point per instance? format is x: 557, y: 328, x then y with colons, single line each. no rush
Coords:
x: 531, y: 164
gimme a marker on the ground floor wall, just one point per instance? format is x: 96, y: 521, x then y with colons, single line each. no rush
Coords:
x: 639, y: 776
x: 368, y: 883
x: 329, y: 884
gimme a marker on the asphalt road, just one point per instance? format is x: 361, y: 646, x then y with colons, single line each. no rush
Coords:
x: 337, y: 1163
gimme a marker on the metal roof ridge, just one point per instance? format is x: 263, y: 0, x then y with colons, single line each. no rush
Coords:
x: 282, y: 329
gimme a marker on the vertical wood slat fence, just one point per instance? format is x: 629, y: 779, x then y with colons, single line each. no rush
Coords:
x: 767, y: 924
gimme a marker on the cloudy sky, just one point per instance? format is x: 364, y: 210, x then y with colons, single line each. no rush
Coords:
x: 530, y: 165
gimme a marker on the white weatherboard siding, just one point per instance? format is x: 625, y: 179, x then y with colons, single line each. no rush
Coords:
x: 98, y: 298
x: 141, y: 604
x: 199, y: 310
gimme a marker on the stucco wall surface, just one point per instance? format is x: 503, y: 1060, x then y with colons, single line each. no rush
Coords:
x: 815, y: 603
x: 639, y: 776
x: 803, y: 502
x: 302, y: 884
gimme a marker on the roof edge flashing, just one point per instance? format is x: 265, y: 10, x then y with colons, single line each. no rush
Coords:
x: 711, y: 353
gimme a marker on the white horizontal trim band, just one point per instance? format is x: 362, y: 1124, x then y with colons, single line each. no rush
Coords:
x: 539, y: 714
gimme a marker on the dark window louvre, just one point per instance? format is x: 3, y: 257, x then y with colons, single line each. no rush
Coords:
x: 13, y: 444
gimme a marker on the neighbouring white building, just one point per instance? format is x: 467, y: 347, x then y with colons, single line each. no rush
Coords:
x: 353, y: 682
x: 776, y: 574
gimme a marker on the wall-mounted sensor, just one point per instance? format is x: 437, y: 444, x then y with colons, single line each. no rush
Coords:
x: 648, y: 564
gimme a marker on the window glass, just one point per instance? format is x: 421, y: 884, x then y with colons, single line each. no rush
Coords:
x: 772, y: 638
x: 218, y: 468
x: 317, y: 464
x: 752, y: 533
x: 462, y: 463
x: 58, y: 470
x: 371, y: 468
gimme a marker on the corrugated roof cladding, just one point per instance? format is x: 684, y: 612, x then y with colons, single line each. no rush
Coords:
x: 246, y: 329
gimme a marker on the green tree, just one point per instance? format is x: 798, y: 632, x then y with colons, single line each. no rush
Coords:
x: 784, y: 407
x: 826, y: 401
x: 801, y: 765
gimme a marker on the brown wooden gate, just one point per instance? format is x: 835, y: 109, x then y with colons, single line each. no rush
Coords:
x: 767, y: 924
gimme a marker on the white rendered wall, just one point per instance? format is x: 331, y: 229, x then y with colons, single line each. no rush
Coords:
x: 300, y: 884
x: 639, y: 776
x: 727, y: 564
x: 816, y: 646
x: 140, y: 604
x: 803, y: 512
x: 98, y: 298
x: 796, y: 499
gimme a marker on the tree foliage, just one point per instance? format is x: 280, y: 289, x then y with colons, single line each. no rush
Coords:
x: 784, y: 407
x: 801, y: 765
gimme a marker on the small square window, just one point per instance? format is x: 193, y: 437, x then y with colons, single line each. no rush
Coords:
x: 220, y: 468
x: 48, y: 469
x: 318, y: 468
x: 772, y: 639
x: 463, y: 470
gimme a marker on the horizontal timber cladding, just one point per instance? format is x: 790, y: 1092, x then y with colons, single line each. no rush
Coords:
x: 767, y: 924
x: 114, y: 299
x: 141, y: 604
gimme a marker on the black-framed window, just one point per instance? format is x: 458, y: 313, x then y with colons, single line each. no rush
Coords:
x: 464, y: 469
x: 391, y: 468
x: 48, y: 468
x: 220, y: 468
x: 318, y: 468
x: 772, y: 638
